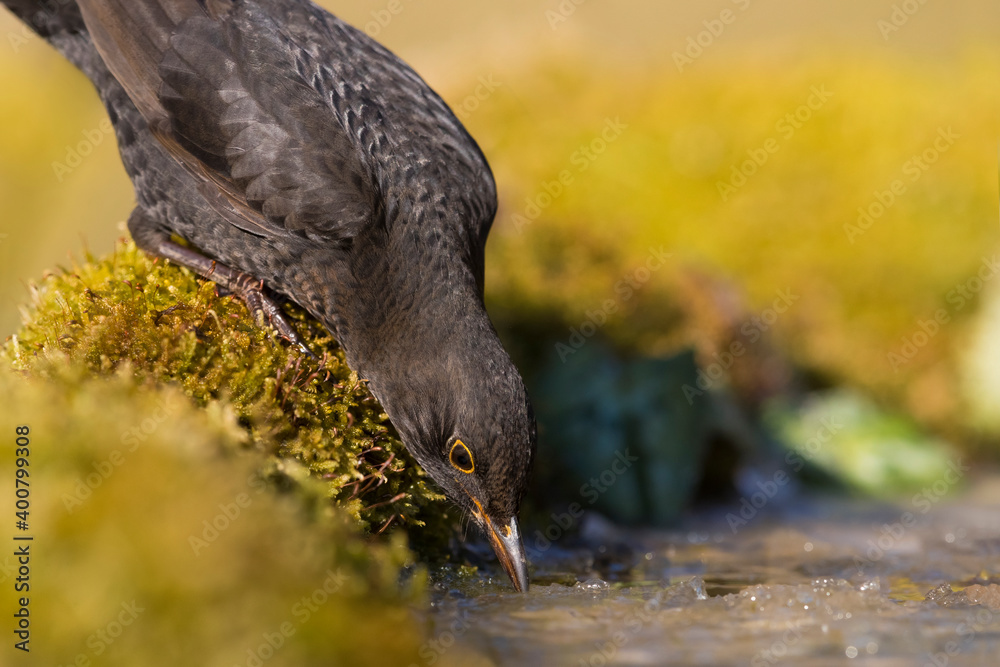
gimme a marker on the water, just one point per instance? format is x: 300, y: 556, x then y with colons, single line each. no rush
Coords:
x: 823, y: 583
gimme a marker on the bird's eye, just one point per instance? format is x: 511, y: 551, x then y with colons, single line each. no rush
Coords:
x: 461, y: 457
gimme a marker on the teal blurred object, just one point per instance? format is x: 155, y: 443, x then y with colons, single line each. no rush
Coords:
x: 619, y: 436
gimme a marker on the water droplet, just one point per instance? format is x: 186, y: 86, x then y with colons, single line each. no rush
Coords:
x: 592, y: 584
x: 851, y: 652
x: 808, y: 546
x: 871, y: 648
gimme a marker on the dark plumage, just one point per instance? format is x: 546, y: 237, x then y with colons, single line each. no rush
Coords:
x: 293, y: 150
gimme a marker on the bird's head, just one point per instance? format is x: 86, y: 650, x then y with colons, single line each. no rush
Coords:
x: 483, y: 466
x: 462, y: 411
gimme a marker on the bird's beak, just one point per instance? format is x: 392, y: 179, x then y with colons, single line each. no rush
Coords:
x: 506, y: 541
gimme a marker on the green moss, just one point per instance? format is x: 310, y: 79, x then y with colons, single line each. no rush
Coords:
x: 167, y: 549
x: 872, y: 451
x: 158, y: 324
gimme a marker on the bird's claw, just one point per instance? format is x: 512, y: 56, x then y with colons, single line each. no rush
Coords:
x: 263, y: 310
x: 306, y: 351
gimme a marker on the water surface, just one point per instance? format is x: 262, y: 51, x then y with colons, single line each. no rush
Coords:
x: 821, y: 583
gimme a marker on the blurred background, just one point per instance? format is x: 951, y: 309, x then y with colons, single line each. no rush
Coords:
x: 738, y: 239
x: 802, y: 195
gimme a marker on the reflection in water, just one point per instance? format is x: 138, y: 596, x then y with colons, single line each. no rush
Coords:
x: 824, y: 583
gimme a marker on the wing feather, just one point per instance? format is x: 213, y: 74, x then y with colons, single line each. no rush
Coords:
x: 219, y: 85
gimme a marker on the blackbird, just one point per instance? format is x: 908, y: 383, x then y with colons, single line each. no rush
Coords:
x: 298, y: 158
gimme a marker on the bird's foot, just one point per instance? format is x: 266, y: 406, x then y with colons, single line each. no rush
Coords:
x: 250, y: 290
x: 263, y: 309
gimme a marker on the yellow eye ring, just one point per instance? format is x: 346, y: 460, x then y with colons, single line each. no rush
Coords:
x: 461, y: 458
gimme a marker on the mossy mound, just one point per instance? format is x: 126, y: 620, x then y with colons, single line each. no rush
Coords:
x: 128, y: 314
x: 170, y: 548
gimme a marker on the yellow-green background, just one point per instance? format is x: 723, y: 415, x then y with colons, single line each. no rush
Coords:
x: 656, y: 184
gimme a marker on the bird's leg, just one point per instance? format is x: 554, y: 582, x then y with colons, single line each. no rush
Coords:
x: 151, y: 239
